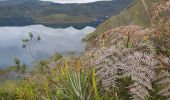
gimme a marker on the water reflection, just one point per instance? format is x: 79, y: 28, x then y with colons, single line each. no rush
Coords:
x: 53, y: 40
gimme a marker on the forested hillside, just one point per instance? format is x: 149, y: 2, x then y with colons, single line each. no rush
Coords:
x: 36, y: 11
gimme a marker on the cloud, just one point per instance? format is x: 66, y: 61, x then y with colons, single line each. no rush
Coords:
x: 74, y: 1
x: 60, y: 40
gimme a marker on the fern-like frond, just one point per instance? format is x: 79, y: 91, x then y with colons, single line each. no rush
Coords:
x: 164, y: 79
x: 107, y: 71
x: 138, y: 91
x: 141, y: 68
x: 117, y: 62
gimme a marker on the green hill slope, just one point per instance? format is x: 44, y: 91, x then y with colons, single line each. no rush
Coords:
x: 134, y: 15
x: 48, y: 12
x: 64, y: 18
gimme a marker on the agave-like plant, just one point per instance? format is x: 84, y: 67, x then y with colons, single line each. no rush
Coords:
x: 73, y: 84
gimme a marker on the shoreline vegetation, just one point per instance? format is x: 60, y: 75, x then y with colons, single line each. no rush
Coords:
x: 128, y: 61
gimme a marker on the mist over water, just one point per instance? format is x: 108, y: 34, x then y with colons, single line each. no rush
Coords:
x: 53, y: 40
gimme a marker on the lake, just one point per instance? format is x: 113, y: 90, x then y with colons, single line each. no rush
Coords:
x: 52, y: 40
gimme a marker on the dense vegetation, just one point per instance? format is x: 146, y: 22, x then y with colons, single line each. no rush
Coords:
x: 129, y: 62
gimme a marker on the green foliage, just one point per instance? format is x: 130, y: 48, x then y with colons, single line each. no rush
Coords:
x: 7, y: 90
x: 57, y: 56
x: 74, y: 85
x: 63, y: 18
x: 41, y: 67
x: 62, y: 83
x: 26, y: 91
x: 97, y: 97
x: 20, y: 68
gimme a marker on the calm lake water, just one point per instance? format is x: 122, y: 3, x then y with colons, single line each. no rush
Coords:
x: 52, y: 40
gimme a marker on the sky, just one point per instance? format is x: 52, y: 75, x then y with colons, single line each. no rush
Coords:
x: 74, y: 1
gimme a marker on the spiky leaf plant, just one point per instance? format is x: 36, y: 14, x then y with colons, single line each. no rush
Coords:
x: 73, y: 85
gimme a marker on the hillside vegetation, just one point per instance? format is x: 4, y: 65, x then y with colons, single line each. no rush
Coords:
x: 49, y: 12
x: 128, y: 62
x: 134, y: 15
x: 63, y: 18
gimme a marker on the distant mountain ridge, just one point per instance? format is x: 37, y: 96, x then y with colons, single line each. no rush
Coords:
x: 37, y: 12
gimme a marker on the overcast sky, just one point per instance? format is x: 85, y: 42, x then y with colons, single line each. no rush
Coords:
x: 74, y: 1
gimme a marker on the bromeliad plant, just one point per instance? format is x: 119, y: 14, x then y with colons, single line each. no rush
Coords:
x: 73, y: 85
